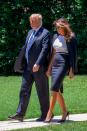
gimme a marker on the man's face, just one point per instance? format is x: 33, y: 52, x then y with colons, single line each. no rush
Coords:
x: 34, y: 22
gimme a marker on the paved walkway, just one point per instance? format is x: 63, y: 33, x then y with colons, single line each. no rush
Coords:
x: 29, y: 123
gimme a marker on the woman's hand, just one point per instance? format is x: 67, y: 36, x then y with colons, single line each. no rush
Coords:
x: 48, y: 73
x: 71, y: 74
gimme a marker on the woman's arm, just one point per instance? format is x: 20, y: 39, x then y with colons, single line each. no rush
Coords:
x: 72, y: 48
x: 48, y: 73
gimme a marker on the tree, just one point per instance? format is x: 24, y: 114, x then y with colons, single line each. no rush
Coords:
x: 14, y: 16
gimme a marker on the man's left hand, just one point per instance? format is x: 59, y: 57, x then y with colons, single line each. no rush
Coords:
x: 36, y: 68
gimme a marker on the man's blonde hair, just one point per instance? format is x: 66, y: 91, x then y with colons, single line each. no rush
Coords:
x: 39, y: 16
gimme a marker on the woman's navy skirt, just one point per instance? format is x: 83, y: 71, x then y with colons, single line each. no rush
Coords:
x: 59, y: 69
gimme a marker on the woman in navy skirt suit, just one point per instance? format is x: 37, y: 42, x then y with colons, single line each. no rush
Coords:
x: 63, y: 61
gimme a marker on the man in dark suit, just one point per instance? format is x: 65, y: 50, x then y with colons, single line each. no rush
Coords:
x: 37, y: 48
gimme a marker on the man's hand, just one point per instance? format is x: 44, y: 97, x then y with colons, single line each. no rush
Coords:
x: 36, y: 68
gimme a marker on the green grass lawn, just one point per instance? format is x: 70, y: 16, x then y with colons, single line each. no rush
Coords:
x: 75, y: 93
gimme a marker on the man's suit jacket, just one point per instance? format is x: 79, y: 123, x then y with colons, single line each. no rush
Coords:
x: 38, y: 53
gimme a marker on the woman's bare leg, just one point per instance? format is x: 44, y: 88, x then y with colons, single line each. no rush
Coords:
x: 62, y: 105
x: 52, y: 104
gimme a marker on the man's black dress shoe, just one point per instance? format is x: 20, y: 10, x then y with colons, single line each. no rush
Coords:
x: 16, y: 117
x: 40, y: 119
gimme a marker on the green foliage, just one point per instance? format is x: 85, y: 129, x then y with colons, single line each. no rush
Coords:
x: 14, y: 16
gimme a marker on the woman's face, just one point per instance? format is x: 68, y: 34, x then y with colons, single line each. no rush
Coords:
x: 60, y: 30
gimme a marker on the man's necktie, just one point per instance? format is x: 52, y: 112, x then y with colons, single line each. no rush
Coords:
x: 29, y: 43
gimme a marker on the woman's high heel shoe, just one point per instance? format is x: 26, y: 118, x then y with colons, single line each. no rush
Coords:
x: 49, y: 120
x: 64, y: 119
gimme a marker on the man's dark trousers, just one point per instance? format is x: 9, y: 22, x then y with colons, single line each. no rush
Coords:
x: 42, y: 87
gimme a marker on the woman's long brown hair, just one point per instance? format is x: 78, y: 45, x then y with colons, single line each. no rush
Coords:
x: 63, y: 23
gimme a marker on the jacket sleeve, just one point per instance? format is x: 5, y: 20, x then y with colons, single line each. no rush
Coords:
x: 72, y: 49
x: 45, y: 49
x: 20, y: 60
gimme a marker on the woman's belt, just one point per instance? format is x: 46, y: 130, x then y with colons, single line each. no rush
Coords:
x: 61, y: 51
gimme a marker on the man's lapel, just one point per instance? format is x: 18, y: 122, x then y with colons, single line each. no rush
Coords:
x: 28, y: 35
x: 37, y: 35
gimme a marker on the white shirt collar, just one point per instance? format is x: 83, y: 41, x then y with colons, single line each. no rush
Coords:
x: 37, y: 29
